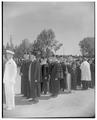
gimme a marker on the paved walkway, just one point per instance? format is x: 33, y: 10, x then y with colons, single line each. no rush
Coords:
x: 79, y: 103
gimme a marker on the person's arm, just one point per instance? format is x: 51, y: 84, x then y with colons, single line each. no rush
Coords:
x: 21, y: 69
x: 12, y: 72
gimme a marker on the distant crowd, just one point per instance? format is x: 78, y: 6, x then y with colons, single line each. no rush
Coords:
x: 54, y: 75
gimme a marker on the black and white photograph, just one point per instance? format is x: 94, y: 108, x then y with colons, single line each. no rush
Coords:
x: 48, y: 59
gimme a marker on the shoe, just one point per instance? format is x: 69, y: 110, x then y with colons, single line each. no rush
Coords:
x: 54, y: 96
x: 68, y: 92
x: 84, y: 89
x: 30, y: 99
x: 35, y: 101
x: 62, y: 89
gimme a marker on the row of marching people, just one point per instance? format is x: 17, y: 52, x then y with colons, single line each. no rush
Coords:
x: 52, y: 75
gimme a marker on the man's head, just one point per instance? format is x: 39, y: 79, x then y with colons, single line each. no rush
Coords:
x: 26, y: 56
x: 90, y: 61
x: 9, y: 54
x: 32, y: 57
x: 62, y: 59
x: 74, y: 65
x: 85, y: 59
x: 78, y: 62
x: 50, y: 59
x: 54, y: 59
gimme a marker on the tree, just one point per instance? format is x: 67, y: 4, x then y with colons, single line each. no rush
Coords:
x: 87, y: 46
x: 46, y: 42
x: 23, y: 47
x: 11, y: 43
x: 57, y: 47
x: 7, y: 46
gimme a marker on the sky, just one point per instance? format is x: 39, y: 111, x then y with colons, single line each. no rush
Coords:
x: 70, y: 21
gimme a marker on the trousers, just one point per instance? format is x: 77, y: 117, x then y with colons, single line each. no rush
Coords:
x: 9, y: 95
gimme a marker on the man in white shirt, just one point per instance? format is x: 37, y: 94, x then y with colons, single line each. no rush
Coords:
x: 9, y: 80
x: 85, y: 73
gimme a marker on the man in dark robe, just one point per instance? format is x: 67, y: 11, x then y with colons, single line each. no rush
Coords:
x: 51, y: 66
x: 45, y: 76
x: 78, y: 70
x: 41, y: 81
x: 63, y: 81
x: 25, y: 85
x: 41, y: 77
x: 73, y: 77
x: 55, y: 79
x: 34, y: 78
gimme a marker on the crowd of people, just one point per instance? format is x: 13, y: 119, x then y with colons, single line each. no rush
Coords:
x: 47, y: 76
x: 55, y: 75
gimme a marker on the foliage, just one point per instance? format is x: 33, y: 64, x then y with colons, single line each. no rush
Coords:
x: 46, y: 43
x: 87, y: 46
x: 22, y: 48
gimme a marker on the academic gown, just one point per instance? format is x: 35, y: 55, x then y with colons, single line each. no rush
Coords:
x: 63, y: 81
x: 78, y: 70
x: 34, y: 78
x: 25, y: 85
x: 54, y: 80
x: 45, y: 77
x: 73, y: 78
x: 51, y: 66
x: 10, y: 74
x: 41, y: 81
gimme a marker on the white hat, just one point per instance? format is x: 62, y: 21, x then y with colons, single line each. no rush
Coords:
x: 10, y: 52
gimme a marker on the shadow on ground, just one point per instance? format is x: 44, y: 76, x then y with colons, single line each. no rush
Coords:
x: 44, y: 97
x: 20, y: 100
